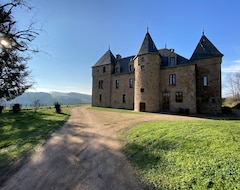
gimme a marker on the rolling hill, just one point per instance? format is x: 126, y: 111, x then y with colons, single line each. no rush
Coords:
x: 49, y: 99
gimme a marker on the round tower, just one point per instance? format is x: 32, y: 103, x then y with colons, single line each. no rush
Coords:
x: 147, y: 70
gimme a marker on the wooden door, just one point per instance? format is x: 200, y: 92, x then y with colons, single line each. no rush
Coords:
x: 142, y: 106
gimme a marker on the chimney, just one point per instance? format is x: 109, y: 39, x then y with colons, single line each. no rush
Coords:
x: 118, y: 56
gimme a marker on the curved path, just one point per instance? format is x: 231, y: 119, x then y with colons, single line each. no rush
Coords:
x: 84, y: 154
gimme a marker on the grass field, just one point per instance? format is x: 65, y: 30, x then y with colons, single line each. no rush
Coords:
x: 186, y: 154
x: 21, y: 133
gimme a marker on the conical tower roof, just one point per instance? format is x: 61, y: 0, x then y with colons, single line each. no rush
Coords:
x: 147, y: 46
x: 107, y: 58
x: 205, y: 49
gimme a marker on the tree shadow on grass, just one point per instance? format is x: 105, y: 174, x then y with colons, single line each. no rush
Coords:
x: 149, y: 153
x: 19, y: 135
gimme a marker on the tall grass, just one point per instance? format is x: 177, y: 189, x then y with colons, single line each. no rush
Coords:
x: 186, y: 154
x: 21, y: 133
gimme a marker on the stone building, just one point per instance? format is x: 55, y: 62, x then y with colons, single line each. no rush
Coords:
x: 156, y: 80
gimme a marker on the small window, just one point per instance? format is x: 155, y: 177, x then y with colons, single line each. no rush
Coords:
x: 104, y: 69
x: 172, y: 61
x: 172, y: 79
x: 205, y: 81
x: 117, y: 83
x: 131, y: 83
x: 100, y: 97
x: 124, y: 98
x: 213, y: 100
x: 142, y: 67
x: 142, y: 90
x: 130, y: 67
x: 179, y: 96
x: 142, y: 59
x: 117, y: 70
x: 100, y: 84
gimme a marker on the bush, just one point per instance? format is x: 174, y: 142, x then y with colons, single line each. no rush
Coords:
x: 58, y: 107
x: 226, y: 110
x: 16, y: 108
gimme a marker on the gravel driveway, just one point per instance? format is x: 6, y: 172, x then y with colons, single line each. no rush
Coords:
x: 84, y: 154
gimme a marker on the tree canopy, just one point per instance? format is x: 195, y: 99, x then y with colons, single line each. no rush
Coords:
x: 14, y: 43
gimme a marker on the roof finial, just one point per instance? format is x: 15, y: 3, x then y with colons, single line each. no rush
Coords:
x: 109, y: 47
x: 147, y: 27
x: 165, y: 45
x: 203, y: 31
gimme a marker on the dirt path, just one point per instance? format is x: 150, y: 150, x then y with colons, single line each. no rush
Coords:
x: 84, y: 154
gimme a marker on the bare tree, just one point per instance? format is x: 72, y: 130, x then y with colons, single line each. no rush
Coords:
x: 36, y: 105
x: 233, y: 85
x: 14, y: 43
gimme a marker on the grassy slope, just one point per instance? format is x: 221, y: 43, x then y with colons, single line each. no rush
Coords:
x: 21, y: 133
x: 186, y: 154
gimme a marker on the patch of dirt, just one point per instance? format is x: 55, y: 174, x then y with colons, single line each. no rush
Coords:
x: 84, y: 154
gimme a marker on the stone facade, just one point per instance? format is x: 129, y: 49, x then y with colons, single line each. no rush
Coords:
x: 160, y: 80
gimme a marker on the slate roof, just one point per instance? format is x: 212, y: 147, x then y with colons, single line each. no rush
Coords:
x: 124, y: 64
x: 165, y: 54
x: 147, y: 46
x: 205, y: 49
x: 107, y: 58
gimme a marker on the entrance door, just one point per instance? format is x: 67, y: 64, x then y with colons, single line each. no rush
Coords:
x: 142, y: 106
x: 166, y: 98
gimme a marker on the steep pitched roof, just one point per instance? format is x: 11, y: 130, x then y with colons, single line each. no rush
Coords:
x: 147, y: 46
x: 205, y: 49
x: 107, y: 58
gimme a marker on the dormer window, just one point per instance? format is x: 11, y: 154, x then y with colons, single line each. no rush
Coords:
x: 117, y: 68
x: 130, y: 67
x: 172, y: 61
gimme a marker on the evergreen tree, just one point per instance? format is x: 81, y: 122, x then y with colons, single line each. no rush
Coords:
x: 14, y: 43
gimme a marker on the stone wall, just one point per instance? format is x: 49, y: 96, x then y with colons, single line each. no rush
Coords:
x: 146, y: 94
x: 122, y: 95
x: 209, y: 97
x: 101, y: 93
x: 185, y: 83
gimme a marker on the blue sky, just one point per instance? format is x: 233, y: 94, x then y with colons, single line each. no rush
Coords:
x: 76, y: 33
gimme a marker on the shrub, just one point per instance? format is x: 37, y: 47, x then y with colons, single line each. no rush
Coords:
x: 226, y: 110
x: 16, y: 108
x: 57, y: 107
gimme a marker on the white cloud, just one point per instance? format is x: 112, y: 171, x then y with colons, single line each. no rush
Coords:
x: 233, y: 66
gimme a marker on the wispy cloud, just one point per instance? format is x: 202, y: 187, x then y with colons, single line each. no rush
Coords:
x: 233, y: 66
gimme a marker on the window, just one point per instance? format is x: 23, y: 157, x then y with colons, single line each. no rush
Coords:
x: 179, y: 96
x: 172, y: 79
x: 117, y: 83
x: 104, y: 69
x: 130, y: 67
x: 205, y: 80
x: 142, y: 67
x: 100, y: 97
x: 117, y: 70
x: 142, y: 90
x: 172, y: 61
x: 131, y: 83
x: 123, y: 98
x: 100, y: 84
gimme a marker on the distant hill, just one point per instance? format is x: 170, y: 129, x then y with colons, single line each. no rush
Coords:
x: 49, y: 99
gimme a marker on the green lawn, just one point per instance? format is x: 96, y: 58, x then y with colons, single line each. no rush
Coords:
x: 186, y: 154
x: 21, y: 133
